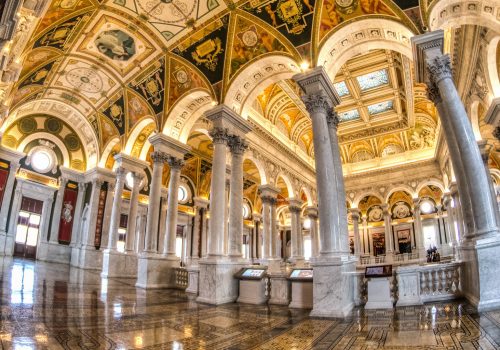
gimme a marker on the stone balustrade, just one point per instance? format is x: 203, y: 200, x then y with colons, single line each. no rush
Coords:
x: 181, y: 278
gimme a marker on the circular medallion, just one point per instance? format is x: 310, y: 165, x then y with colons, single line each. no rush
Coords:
x: 85, y: 80
x: 72, y: 142
x: 168, y: 11
x: 53, y: 125
x: 181, y: 76
x: 249, y: 38
x: 27, y: 125
x: 344, y: 3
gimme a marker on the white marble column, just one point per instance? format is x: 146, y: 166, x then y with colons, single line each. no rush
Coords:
x: 355, y: 213
x: 450, y: 220
x: 108, y: 208
x: 215, y: 242
x: 116, y: 209
x: 200, y: 206
x: 175, y: 165
x: 132, y: 214
x: 296, y: 230
x: 257, y: 241
x: 56, y: 216
x: 237, y: 145
x: 268, y: 195
x: 7, y: 196
x: 389, y: 244
x: 75, y: 231
x: 312, y: 215
x: 152, y: 221
x: 366, y: 246
x: 89, y: 234
x: 419, y: 235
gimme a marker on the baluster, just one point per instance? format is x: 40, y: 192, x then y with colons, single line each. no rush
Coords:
x: 423, y: 282
x: 437, y: 282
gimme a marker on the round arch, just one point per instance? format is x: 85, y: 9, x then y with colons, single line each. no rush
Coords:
x: 107, y: 150
x: 455, y: 13
x: 308, y: 194
x: 136, y: 132
x: 258, y: 164
x: 433, y: 182
x: 474, y: 118
x: 253, y: 79
x: 360, y: 37
x: 288, y: 183
x: 358, y: 198
x: 403, y: 188
x: 67, y: 114
x: 186, y: 113
x: 492, y: 75
x: 50, y: 137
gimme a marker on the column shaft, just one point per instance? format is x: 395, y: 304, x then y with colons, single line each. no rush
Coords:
x: 88, y: 238
x: 237, y: 146
x: 117, y: 208
x: 132, y: 214
x: 75, y: 231
x: 54, y: 230
x: 355, y: 227
x: 388, y: 231
x: 151, y: 240
x: 172, y: 208
x: 9, y: 187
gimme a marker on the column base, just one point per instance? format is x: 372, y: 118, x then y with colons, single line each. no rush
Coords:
x: 88, y: 257
x: 116, y: 264
x: 217, y: 284
x: 333, y: 286
x: 479, y: 278
x: 408, y: 286
x: 53, y: 252
x: 154, y: 271
x: 193, y: 279
x: 280, y: 289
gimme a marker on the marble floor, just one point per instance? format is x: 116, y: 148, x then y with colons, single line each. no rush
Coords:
x: 52, y: 306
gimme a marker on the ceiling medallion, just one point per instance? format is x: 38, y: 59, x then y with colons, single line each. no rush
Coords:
x: 115, y: 44
x: 85, y: 80
x: 169, y: 11
x: 346, y: 6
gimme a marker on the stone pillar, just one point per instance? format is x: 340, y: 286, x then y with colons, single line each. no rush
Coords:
x: 257, y: 241
x: 152, y: 222
x: 4, y: 211
x: 419, y: 236
x: 162, y: 224
x: 450, y: 219
x: 116, y: 210
x: 268, y: 196
x: 75, y: 231
x: 458, y: 212
x: 200, y: 206
x: 108, y: 207
x: 312, y: 215
x: 237, y: 145
x: 175, y: 165
x: 56, y: 216
x: 355, y: 213
x: 366, y: 240
x: 389, y: 244
x: 132, y: 215
x: 295, y: 209
x: 333, y: 282
x: 217, y: 284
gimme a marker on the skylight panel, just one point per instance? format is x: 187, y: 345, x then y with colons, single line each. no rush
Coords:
x: 373, y: 79
x: 349, y: 115
x: 380, y: 107
x: 341, y: 88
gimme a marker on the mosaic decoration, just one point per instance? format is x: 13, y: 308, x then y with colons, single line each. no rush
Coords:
x: 380, y: 107
x: 115, y: 44
x: 183, y: 79
x: 151, y: 85
x: 336, y: 12
x: 108, y: 130
x: 84, y: 79
x: 207, y: 51
x: 38, y: 77
x: 375, y: 213
x: 373, y: 79
x: 341, y: 88
x: 59, y: 9
x: 36, y: 58
x: 349, y: 115
x: 59, y: 36
x: 137, y: 108
x: 116, y: 113
x: 401, y: 210
x: 292, y: 18
x: 23, y: 92
x: 367, y: 202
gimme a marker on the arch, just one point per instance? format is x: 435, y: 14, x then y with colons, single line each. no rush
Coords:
x: 258, y: 164
x: 51, y: 138
x: 495, y: 173
x: 136, y: 132
x: 447, y: 14
x: 253, y: 79
x: 358, y: 198
x: 186, y: 113
x: 433, y: 182
x: 404, y: 188
x: 492, y: 75
x: 308, y: 194
x: 474, y: 118
x: 288, y: 183
x: 107, y: 150
x: 360, y: 37
x: 67, y: 114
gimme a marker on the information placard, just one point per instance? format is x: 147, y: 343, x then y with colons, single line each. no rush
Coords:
x: 378, y: 271
x: 301, y: 274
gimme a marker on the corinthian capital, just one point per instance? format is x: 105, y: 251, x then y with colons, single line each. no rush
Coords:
x: 439, y: 68
x: 332, y: 118
x: 433, y: 93
x: 219, y: 135
x: 316, y: 103
x: 158, y: 157
x: 237, y: 145
x: 175, y: 163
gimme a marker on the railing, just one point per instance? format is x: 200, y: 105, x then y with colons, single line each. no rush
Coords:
x: 398, y: 259
x: 440, y: 282
x: 181, y: 278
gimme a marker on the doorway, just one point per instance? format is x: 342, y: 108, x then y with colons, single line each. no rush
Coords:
x: 28, y: 228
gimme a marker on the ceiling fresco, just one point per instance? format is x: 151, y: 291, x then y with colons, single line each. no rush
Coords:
x: 119, y: 62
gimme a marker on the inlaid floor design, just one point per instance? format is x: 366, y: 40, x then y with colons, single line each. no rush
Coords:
x: 53, y: 306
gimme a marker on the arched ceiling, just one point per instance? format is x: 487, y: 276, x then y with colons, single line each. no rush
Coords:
x: 121, y: 62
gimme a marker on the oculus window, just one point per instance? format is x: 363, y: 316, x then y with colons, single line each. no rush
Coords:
x: 372, y: 80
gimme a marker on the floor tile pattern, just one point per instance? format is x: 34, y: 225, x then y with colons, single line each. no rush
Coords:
x: 53, y: 306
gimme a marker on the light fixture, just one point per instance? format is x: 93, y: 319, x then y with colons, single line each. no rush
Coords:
x: 304, y: 66
x: 214, y: 103
x: 42, y: 161
x: 426, y: 207
x: 307, y: 224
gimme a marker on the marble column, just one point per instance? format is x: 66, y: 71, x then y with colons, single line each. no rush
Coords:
x: 312, y: 215
x: 56, y: 216
x: 295, y: 210
x: 458, y: 213
x: 366, y: 240
x: 4, y: 211
x: 419, y: 235
x: 389, y: 244
x: 257, y: 241
x: 152, y: 222
x: 332, y: 284
x: 108, y: 208
x: 116, y: 209
x: 175, y: 165
x: 355, y: 213
x: 200, y: 206
x: 75, y: 231
x: 132, y: 214
x: 450, y: 220
x: 268, y: 196
x: 237, y: 145
x: 215, y: 242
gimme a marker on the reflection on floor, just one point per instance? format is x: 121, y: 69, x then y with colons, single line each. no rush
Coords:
x: 51, y: 306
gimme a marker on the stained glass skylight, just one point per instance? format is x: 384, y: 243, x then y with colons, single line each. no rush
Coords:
x: 373, y: 79
x: 380, y: 107
x: 341, y: 88
x: 349, y: 115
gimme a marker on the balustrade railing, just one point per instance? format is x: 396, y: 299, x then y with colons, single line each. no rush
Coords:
x: 181, y: 278
x: 440, y: 282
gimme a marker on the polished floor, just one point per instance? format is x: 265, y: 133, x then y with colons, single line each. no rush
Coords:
x: 52, y: 306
